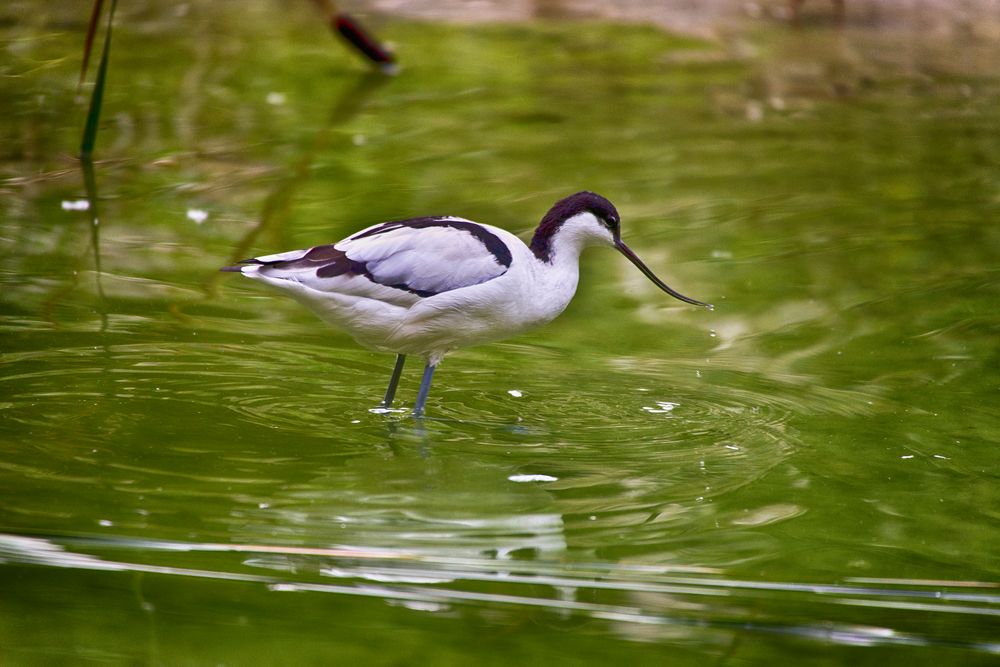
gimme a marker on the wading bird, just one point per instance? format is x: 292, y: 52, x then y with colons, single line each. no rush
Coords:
x: 428, y: 286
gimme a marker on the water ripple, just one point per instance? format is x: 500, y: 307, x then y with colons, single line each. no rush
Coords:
x: 633, y: 603
x: 625, y: 448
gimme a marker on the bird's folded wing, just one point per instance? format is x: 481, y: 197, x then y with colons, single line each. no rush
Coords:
x: 421, y: 257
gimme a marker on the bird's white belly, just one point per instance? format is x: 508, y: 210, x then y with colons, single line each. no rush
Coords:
x: 435, y: 325
x: 517, y: 301
x: 498, y: 309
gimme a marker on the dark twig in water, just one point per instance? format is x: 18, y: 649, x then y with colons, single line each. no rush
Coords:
x: 354, y: 33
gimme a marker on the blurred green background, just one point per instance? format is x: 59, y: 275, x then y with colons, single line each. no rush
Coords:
x: 189, y: 471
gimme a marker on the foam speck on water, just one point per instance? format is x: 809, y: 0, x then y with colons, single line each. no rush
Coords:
x: 662, y: 407
x: 533, y: 478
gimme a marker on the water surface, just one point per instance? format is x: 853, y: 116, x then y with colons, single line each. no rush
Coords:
x: 190, y: 471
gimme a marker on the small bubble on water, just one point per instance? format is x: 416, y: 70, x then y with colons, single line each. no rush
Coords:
x: 264, y: 506
x: 906, y: 456
x: 516, y: 393
x: 105, y: 523
x: 197, y: 215
x: 75, y: 205
x: 711, y: 332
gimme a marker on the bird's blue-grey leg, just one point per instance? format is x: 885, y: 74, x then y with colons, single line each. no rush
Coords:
x: 425, y: 388
x: 390, y: 393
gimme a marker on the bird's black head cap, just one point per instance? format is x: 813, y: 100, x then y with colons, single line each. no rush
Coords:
x: 566, y: 208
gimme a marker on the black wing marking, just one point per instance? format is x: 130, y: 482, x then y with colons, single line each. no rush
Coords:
x: 396, y: 255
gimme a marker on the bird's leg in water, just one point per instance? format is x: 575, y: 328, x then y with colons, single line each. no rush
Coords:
x: 390, y: 393
x: 425, y: 388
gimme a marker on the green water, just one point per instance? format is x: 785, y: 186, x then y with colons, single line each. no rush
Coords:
x: 189, y: 469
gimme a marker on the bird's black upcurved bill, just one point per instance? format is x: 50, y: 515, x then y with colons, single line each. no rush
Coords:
x: 632, y: 257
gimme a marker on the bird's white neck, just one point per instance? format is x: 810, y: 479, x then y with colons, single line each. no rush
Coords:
x: 557, y: 274
x: 565, y: 240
